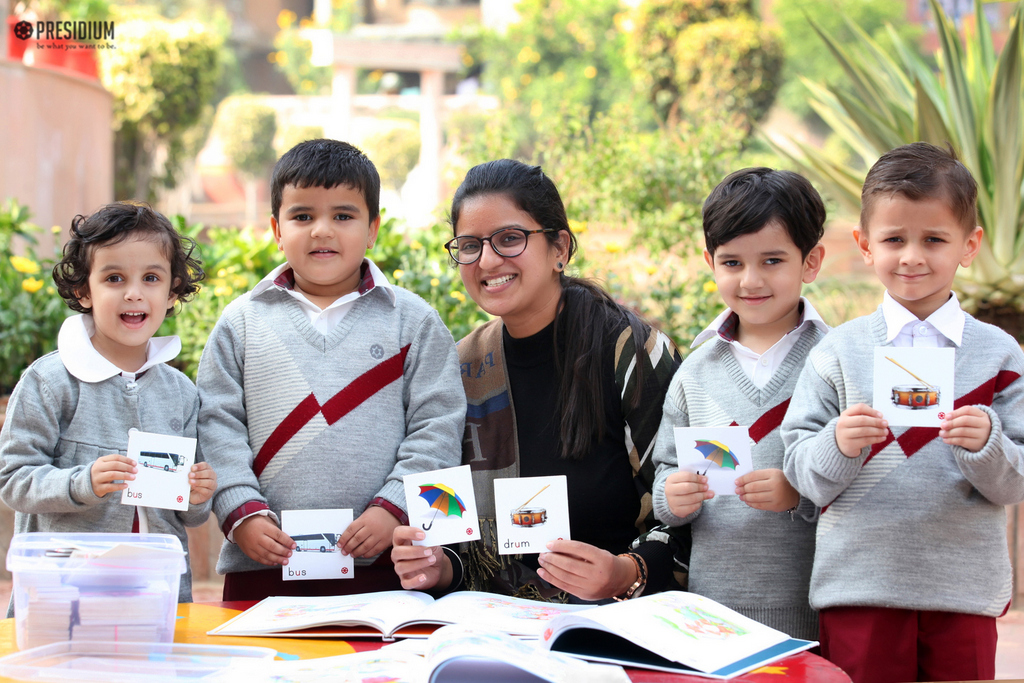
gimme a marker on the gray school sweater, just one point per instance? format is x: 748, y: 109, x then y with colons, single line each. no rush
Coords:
x: 292, y: 419
x: 910, y: 523
x: 58, y: 425
x: 753, y: 561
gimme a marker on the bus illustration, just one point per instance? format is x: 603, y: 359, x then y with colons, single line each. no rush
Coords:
x: 168, y: 462
x: 310, y: 543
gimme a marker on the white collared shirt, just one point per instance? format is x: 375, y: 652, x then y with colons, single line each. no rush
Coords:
x: 942, y: 329
x: 760, y: 367
x: 326, y: 319
x: 84, y: 362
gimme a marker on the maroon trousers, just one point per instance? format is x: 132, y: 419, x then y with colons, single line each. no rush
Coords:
x: 880, y: 645
x: 248, y: 586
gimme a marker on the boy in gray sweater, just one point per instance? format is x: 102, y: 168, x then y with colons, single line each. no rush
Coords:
x: 324, y: 385
x: 752, y: 551
x: 911, y: 566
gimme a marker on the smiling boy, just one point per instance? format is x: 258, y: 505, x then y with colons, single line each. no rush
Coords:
x: 324, y: 385
x: 911, y: 566
x: 753, y: 551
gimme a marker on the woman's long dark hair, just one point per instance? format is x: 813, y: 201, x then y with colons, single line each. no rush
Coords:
x: 586, y: 312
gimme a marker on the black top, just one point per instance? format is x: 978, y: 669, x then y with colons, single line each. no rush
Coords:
x: 603, y: 500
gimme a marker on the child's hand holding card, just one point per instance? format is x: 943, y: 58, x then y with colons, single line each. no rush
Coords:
x: 442, y: 505
x: 163, y: 463
x: 530, y: 512
x: 317, y: 555
x: 722, y: 454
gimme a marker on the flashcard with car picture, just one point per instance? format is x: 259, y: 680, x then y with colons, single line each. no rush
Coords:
x: 316, y: 554
x: 163, y: 463
x: 722, y: 454
x: 442, y: 505
x: 530, y: 512
x: 913, y: 386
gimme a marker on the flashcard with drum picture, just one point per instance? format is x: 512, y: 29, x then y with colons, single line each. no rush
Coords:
x: 316, y: 554
x: 163, y: 464
x: 722, y: 454
x: 442, y: 505
x: 913, y: 386
x: 530, y: 512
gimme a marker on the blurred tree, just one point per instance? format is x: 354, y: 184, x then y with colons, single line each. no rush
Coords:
x: 247, y: 128
x: 163, y: 76
x: 700, y: 59
x: 803, y: 45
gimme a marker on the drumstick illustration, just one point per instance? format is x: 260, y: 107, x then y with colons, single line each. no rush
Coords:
x: 532, y: 497
x: 930, y: 385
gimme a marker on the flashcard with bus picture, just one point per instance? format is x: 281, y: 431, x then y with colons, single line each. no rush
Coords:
x: 913, y: 386
x: 530, y: 512
x: 441, y: 504
x: 163, y: 463
x: 317, y: 555
x: 722, y: 454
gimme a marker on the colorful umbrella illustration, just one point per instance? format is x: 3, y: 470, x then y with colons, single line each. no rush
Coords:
x: 718, y: 453
x: 442, y: 499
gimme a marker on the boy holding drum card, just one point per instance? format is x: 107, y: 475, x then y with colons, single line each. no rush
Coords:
x: 751, y: 551
x: 911, y: 567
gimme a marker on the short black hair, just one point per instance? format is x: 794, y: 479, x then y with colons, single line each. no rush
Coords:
x: 113, y: 224
x: 922, y: 171
x: 327, y: 164
x: 751, y: 198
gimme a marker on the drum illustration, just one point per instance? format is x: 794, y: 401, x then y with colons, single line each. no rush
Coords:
x: 915, y: 397
x: 528, y: 517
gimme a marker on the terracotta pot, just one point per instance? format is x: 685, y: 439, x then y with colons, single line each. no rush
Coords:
x: 15, y: 46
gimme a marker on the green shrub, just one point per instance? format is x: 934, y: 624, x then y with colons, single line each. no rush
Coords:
x: 247, y: 128
x: 394, y: 153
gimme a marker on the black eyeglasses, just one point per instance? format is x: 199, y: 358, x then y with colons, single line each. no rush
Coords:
x: 507, y: 242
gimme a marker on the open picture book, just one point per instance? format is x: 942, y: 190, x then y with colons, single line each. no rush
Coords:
x: 671, y: 631
x: 391, y: 614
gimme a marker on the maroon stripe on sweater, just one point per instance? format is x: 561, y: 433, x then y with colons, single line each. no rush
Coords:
x: 242, y: 511
x: 768, y: 422
x: 365, y: 386
x: 289, y: 427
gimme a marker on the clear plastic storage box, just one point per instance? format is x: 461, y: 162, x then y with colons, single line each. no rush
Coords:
x: 95, y: 587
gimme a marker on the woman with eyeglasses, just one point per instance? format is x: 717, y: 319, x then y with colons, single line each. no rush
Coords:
x: 564, y: 382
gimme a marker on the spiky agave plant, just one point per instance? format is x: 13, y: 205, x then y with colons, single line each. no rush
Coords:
x: 975, y: 102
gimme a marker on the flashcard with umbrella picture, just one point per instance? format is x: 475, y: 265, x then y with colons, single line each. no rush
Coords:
x: 530, y: 512
x: 913, y: 386
x: 722, y: 454
x: 316, y: 554
x: 441, y: 504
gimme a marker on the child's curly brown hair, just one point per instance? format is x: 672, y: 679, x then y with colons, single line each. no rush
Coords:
x: 113, y: 224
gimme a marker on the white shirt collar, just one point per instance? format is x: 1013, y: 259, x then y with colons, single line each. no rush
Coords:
x: 84, y: 362
x: 810, y: 317
x: 283, y: 278
x: 949, y: 319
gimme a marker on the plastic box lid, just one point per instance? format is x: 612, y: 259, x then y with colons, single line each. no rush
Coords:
x: 126, y: 662
x: 96, y: 553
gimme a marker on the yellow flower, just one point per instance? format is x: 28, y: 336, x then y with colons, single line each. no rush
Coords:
x: 32, y: 285
x: 458, y: 296
x: 398, y: 273
x: 590, y: 72
x: 25, y: 265
x: 525, y: 55
x: 285, y: 18
x: 222, y: 290
x: 56, y: 230
x: 525, y: 79
x: 578, y: 227
x: 282, y: 57
x: 467, y: 59
x: 558, y: 77
x: 652, y: 269
x: 710, y: 287
x: 434, y: 282
x: 51, y: 290
x: 416, y: 244
x: 223, y: 272
x: 536, y: 108
x: 613, y: 247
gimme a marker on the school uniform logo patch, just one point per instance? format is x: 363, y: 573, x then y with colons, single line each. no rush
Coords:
x: 377, y: 351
